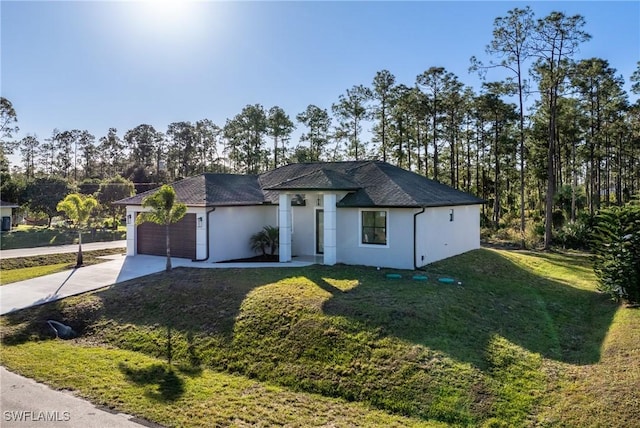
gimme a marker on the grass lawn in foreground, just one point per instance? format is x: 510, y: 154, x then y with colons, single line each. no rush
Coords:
x: 177, y: 395
x: 517, y: 344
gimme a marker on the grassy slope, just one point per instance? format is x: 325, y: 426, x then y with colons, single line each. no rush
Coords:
x: 514, y: 345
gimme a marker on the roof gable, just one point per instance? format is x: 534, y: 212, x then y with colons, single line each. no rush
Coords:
x: 318, y: 179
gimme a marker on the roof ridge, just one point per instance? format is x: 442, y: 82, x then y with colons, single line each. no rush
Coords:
x: 391, y: 180
x: 361, y: 164
x: 297, y: 177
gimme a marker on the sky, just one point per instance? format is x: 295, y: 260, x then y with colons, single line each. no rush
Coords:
x: 99, y: 64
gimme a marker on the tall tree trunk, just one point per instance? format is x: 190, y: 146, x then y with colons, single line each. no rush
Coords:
x: 521, y: 150
x: 435, y: 137
x: 275, y: 152
x: 496, y: 202
x: 468, y: 184
x: 548, y: 212
x: 574, y: 182
x: 383, y: 123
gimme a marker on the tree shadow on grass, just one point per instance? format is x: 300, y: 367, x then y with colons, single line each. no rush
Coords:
x: 190, y: 316
x: 169, y: 386
x: 543, y: 316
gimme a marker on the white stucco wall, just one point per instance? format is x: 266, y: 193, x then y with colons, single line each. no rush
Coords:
x: 6, y: 212
x: 201, y: 231
x: 439, y: 238
x: 303, y: 236
x: 131, y: 229
x: 231, y: 228
x: 398, y: 253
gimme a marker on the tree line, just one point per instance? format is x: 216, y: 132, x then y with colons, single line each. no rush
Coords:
x: 557, y: 137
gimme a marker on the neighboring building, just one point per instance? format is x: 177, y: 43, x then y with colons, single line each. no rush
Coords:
x: 360, y: 212
x: 6, y: 215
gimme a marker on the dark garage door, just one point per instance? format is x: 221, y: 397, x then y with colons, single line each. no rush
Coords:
x: 151, y: 238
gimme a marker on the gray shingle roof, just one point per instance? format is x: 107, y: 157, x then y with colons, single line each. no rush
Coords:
x: 318, y: 179
x: 385, y: 185
x: 369, y: 183
x: 212, y: 190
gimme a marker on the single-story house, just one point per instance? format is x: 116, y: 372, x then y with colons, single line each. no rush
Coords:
x: 6, y: 215
x: 356, y: 212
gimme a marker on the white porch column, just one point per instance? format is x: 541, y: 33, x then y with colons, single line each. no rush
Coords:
x: 131, y: 231
x: 330, y: 255
x: 285, y: 227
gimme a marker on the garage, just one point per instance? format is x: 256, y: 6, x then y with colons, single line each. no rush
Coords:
x: 151, y: 238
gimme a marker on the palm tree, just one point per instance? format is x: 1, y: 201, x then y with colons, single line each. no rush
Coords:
x: 78, y: 208
x: 268, y: 237
x: 164, y: 211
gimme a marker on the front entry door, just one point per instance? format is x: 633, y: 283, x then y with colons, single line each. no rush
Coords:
x: 319, y: 231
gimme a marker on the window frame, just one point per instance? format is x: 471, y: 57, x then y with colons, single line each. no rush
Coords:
x: 361, y: 242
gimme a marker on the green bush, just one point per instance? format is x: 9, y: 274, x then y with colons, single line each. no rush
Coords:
x: 557, y: 219
x: 575, y: 235
x: 616, y: 249
x: 268, y: 237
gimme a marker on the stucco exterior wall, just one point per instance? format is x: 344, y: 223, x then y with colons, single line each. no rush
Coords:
x: 439, y: 237
x: 436, y: 236
x: 5, y: 212
x: 398, y: 253
x: 231, y: 228
x: 303, y: 236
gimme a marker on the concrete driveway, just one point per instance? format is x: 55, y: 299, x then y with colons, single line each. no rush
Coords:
x: 118, y: 268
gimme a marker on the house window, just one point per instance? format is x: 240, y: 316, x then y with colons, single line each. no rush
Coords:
x: 374, y: 227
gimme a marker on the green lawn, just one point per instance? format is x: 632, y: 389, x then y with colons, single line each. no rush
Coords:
x: 22, y: 268
x: 40, y: 236
x: 15, y: 275
x: 524, y: 340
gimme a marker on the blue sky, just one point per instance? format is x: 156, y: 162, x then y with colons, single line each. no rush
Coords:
x: 94, y: 65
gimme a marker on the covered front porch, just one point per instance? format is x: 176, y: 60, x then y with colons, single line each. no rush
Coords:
x: 308, y: 232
